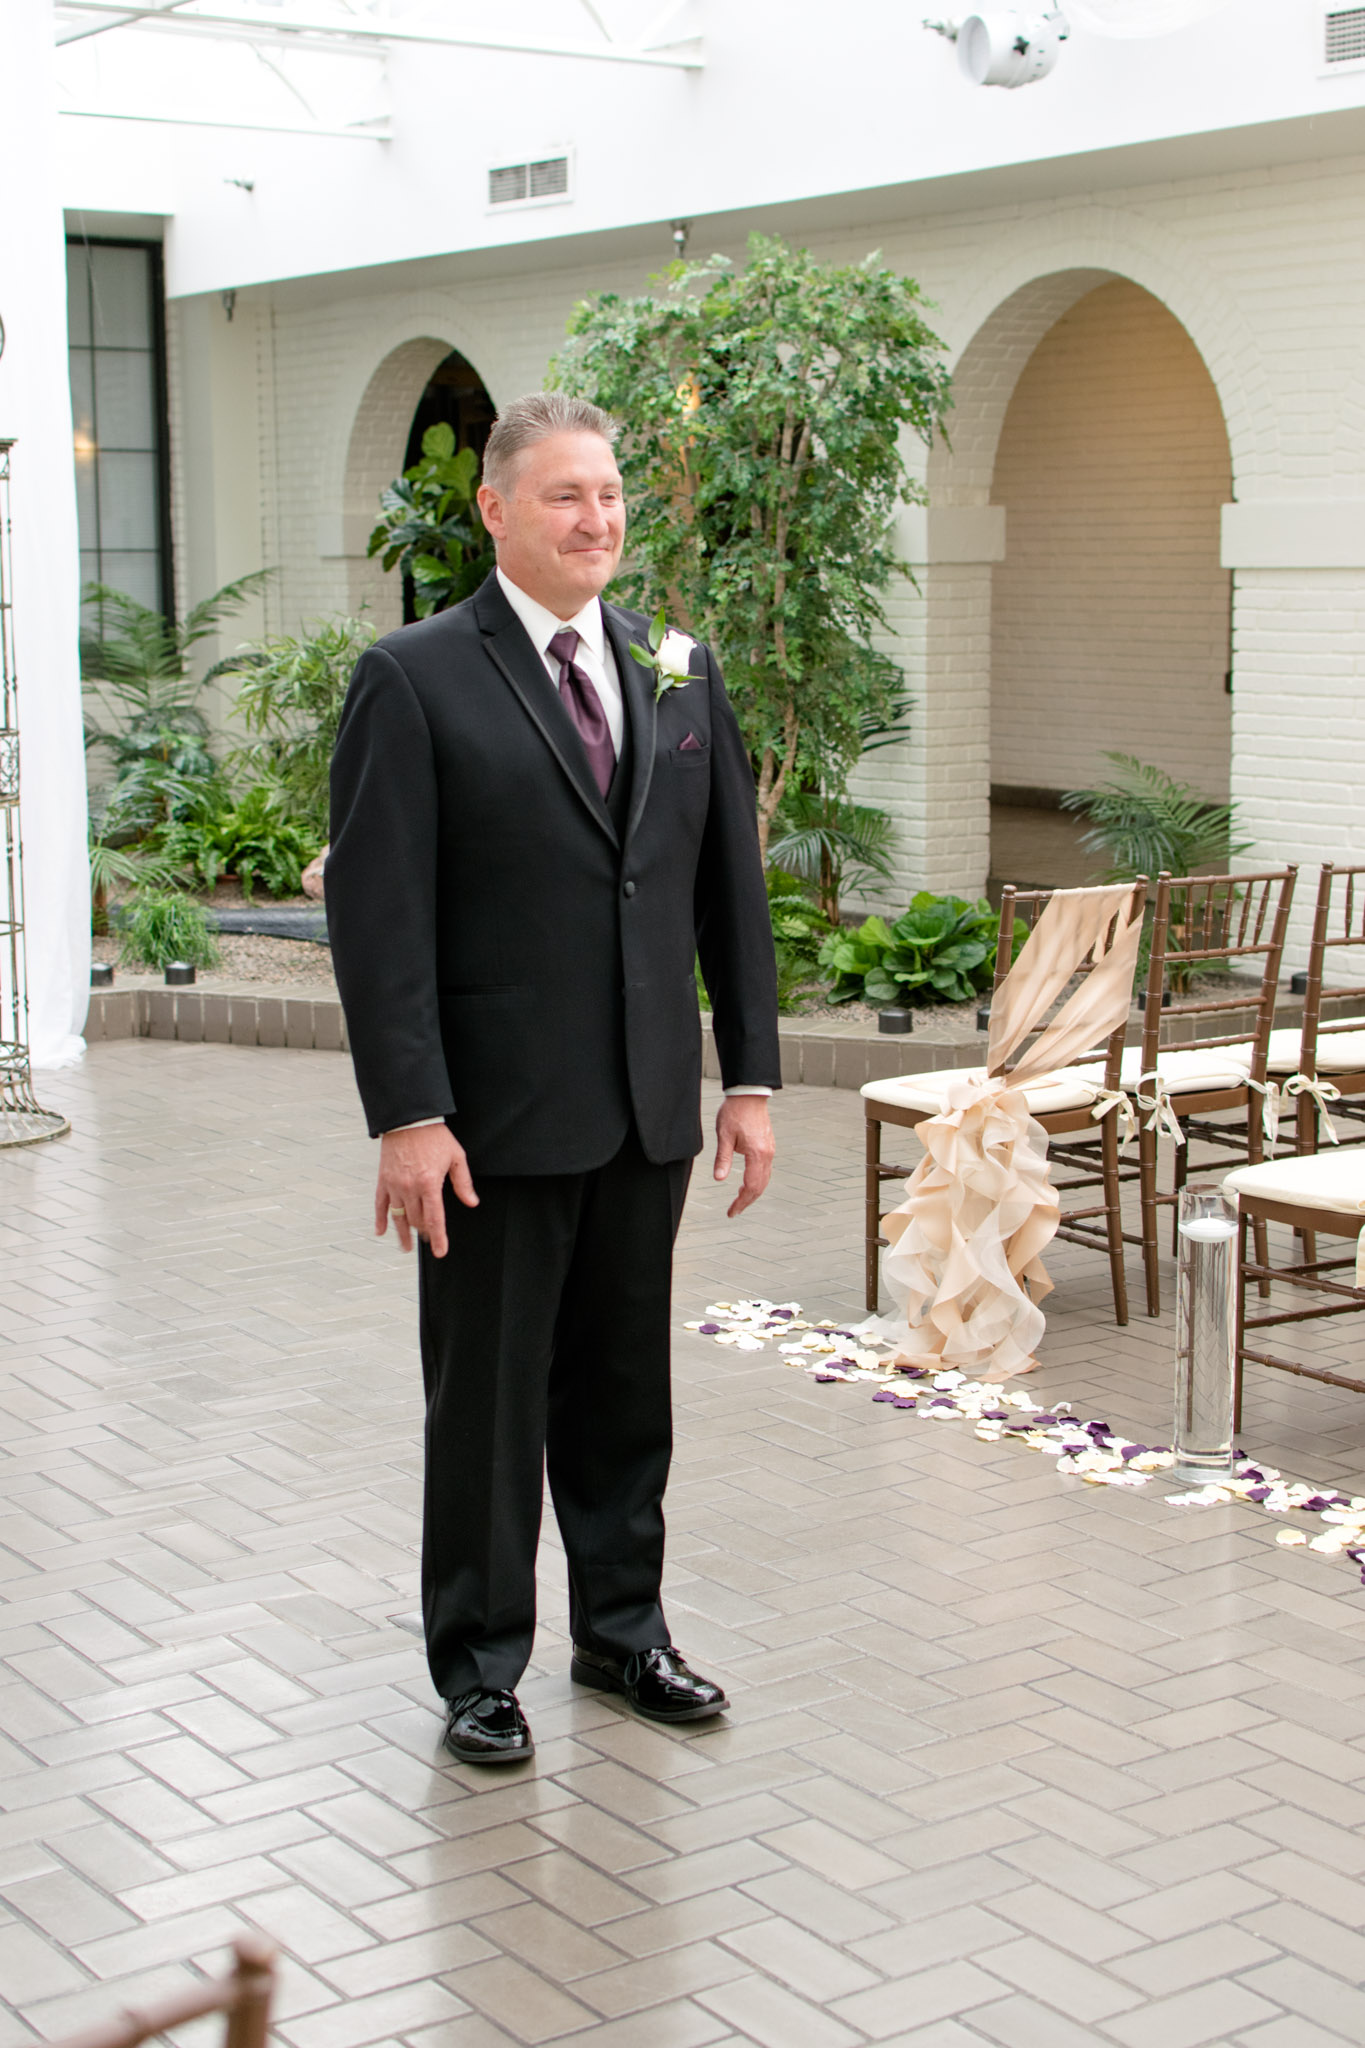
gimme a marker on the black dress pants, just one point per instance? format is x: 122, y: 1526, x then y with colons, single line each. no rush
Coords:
x: 545, y: 1346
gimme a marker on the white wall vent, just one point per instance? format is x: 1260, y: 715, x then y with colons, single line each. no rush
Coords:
x: 1344, y: 35
x: 538, y: 183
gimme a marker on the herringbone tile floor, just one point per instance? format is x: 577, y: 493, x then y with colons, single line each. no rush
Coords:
x: 1011, y: 1760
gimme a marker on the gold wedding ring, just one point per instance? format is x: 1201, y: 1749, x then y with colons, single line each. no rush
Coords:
x: 395, y: 1211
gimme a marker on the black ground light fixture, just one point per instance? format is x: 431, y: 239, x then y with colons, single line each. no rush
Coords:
x: 180, y: 974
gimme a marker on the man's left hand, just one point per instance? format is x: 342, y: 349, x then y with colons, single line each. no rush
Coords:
x: 743, y: 1125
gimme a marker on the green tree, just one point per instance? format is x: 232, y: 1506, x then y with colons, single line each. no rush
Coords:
x: 430, y: 527
x: 762, y: 411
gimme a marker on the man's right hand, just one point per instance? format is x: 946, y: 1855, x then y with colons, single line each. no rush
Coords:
x: 414, y: 1167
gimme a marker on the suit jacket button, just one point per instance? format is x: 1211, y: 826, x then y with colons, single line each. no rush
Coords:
x: 628, y: 889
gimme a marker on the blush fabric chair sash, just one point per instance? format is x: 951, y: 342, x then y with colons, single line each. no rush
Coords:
x: 964, y: 1265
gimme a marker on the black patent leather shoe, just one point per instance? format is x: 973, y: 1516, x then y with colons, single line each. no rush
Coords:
x: 656, y: 1683
x: 487, y: 1728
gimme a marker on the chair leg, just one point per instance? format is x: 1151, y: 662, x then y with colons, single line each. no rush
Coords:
x: 1306, y: 1141
x: 1147, y: 1190
x: 1241, y: 1322
x: 1260, y: 1236
x: 1113, y: 1218
x: 872, y: 1214
x: 1179, y: 1175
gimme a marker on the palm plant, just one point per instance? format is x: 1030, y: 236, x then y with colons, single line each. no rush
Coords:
x: 290, y: 700
x: 1146, y: 821
x: 830, y: 843
x: 135, y: 664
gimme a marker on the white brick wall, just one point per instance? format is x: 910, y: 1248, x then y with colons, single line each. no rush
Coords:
x: 1265, y: 271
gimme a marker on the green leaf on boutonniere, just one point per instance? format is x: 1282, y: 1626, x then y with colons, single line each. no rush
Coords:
x: 657, y: 628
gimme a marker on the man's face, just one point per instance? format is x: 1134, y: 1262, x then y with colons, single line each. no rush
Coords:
x: 560, y: 529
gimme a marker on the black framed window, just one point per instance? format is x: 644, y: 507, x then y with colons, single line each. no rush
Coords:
x: 115, y: 313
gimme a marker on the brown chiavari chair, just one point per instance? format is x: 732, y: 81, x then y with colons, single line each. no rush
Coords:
x: 1313, y: 1193
x: 1184, y: 1078
x: 1086, y: 1145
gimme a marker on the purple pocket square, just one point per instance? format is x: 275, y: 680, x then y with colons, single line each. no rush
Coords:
x: 691, y: 745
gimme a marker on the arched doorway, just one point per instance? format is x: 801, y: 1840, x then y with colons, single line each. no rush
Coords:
x: 454, y: 396
x: 417, y: 384
x: 1110, y: 613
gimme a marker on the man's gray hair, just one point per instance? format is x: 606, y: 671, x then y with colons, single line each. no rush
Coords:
x: 534, y: 418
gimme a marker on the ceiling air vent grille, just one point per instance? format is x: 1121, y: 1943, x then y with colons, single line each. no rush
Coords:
x: 1345, y: 35
x: 528, y: 184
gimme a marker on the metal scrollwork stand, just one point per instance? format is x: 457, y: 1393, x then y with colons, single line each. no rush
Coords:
x: 23, y: 1121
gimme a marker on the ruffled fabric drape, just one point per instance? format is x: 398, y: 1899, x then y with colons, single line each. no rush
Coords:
x: 964, y: 1265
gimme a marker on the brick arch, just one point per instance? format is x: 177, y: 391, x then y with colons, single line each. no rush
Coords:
x: 994, y: 330
x: 374, y: 457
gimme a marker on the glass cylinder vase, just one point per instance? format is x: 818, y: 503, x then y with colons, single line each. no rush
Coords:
x: 1206, y: 1334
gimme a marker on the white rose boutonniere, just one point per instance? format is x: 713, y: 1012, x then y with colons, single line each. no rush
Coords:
x: 666, y: 657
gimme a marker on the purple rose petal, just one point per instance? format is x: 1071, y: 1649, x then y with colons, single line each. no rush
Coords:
x: 709, y: 1330
x: 1133, y: 1451
x: 1258, y: 1493
x: 886, y: 1394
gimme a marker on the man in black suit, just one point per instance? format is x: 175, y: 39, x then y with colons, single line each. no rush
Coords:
x: 531, y: 839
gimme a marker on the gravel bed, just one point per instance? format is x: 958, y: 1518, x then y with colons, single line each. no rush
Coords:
x: 273, y: 963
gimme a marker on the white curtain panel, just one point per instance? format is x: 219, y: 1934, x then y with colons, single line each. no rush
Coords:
x: 35, y: 408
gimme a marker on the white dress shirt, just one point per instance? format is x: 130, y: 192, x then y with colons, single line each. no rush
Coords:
x: 594, y: 656
x: 598, y: 663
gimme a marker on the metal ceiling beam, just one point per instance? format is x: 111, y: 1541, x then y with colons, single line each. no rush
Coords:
x: 206, y: 121
x: 301, y: 33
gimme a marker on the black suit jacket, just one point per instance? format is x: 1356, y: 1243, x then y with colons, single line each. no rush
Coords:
x: 506, y: 957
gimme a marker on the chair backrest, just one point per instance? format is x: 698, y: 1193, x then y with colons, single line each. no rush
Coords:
x: 1338, y: 922
x: 1208, y: 921
x: 1026, y: 906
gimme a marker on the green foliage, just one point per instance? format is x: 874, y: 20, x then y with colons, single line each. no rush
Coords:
x: 135, y: 666
x: 761, y: 458
x: 162, y: 926
x: 430, y: 525
x: 290, y: 699
x: 1145, y: 820
x: 254, y: 836
x: 830, y: 843
x: 800, y: 928
x: 941, y: 951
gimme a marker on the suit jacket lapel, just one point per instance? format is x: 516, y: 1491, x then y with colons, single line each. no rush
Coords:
x: 637, y: 690
x: 509, y: 648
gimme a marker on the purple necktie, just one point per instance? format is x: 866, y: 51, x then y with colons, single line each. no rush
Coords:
x: 584, y: 707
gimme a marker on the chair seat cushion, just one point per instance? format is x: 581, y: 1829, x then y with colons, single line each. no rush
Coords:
x: 1048, y: 1094
x: 1332, y: 1180
x: 1184, y: 1073
x: 1339, y: 1052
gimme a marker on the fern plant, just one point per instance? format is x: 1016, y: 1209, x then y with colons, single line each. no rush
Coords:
x: 1145, y: 820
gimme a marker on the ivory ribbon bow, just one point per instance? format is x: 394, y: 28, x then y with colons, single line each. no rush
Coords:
x: 965, y: 1265
x: 1322, y: 1093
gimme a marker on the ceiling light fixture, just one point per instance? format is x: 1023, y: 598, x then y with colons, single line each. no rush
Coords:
x: 1006, y: 46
